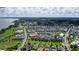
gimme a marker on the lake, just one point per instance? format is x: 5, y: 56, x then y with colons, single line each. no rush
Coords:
x: 5, y: 22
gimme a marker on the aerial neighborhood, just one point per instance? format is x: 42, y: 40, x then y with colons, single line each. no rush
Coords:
x: 43, y: 35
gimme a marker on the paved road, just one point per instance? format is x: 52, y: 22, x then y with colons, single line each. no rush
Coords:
x: 24, y: 40
x: 66, y: 44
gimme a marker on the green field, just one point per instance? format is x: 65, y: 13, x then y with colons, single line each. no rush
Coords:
x: 58, y: 43
x: 40, y: 42
x: 7, y: 43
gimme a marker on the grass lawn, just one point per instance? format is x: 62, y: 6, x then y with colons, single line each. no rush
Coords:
x: 9, y: 32
x: 40, y: 42
x: 57, y: 43
x: 8, y: 42
x: 46, y: 42
x: 75, y: 49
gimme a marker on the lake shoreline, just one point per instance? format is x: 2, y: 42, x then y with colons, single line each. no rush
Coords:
x: 4, y: 23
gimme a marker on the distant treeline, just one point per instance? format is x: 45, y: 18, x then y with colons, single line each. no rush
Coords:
x: 51, y: 21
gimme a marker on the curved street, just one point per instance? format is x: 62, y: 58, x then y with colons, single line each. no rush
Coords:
x: 66, y: 44
x: 24, y: 40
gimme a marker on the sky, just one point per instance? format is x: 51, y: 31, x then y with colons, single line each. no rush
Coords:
x: 39, y: 11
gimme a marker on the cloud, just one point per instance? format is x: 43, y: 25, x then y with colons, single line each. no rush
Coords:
x: 39, y: 12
